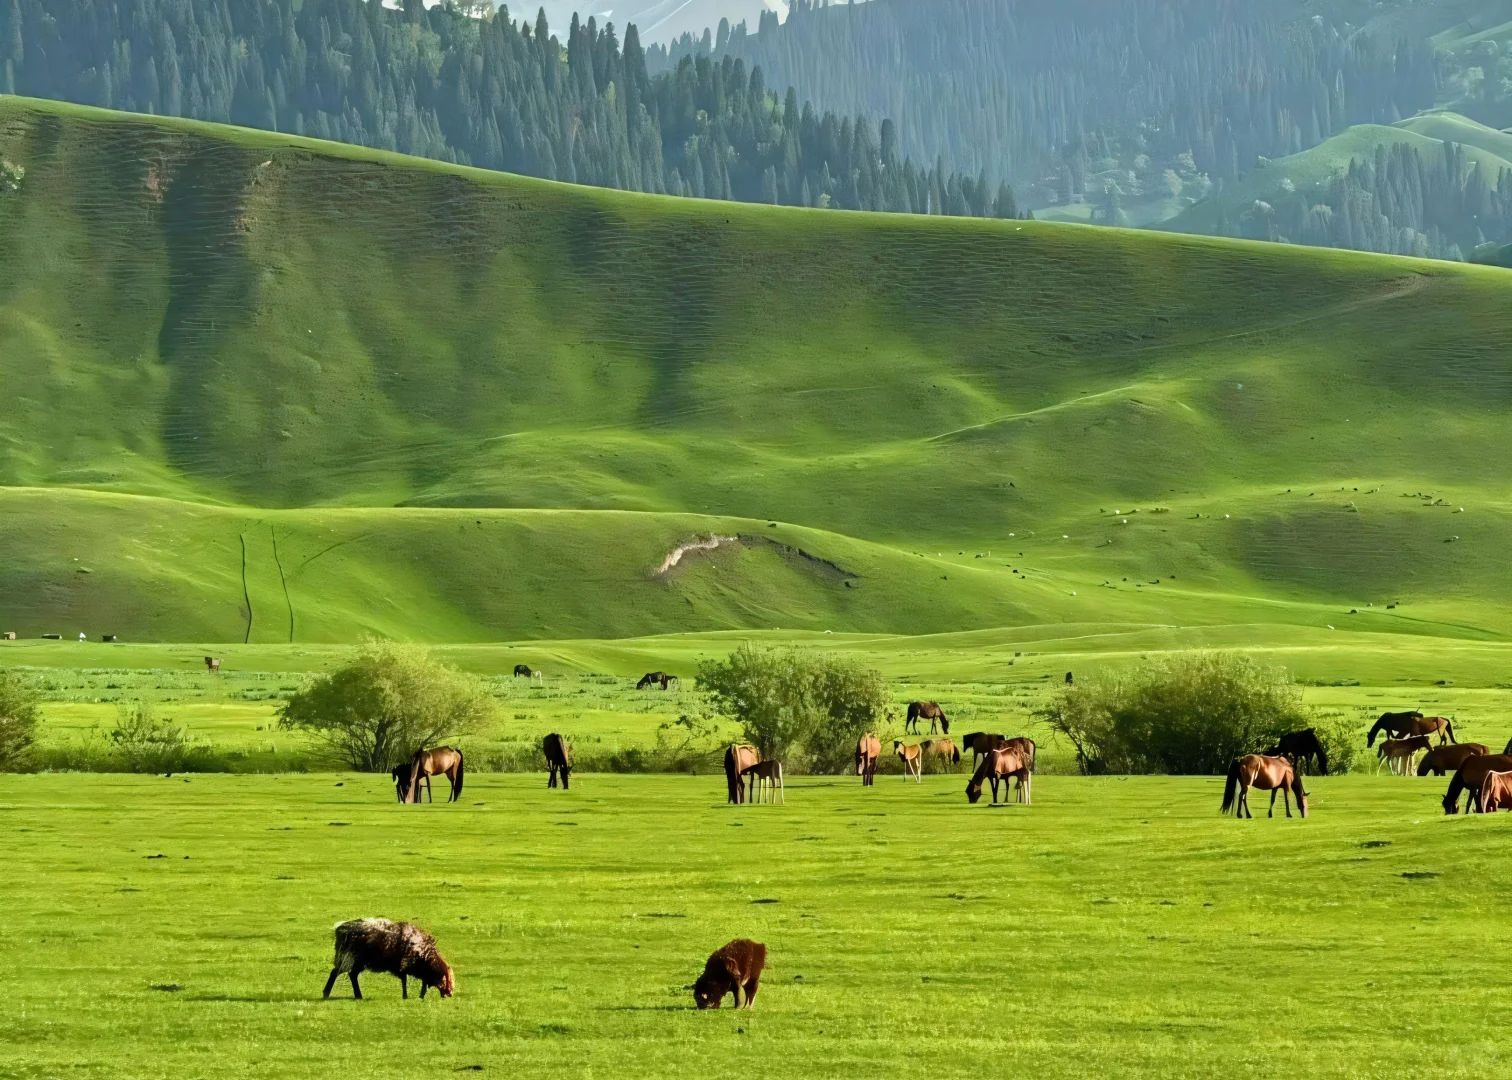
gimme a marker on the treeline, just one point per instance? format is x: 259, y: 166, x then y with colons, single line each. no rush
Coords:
x: 1021, y: 89
x: 1398, y: 202
x: 480, y: 91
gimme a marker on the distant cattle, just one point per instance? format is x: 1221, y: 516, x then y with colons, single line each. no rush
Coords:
x: 212, y: 664
x: 52, y: 637
x: 107, y: 637
x: 523, y: 669
x: 655, y: 678
x: 9, y: 635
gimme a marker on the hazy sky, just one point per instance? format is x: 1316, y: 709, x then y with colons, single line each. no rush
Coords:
x: 658, y: 20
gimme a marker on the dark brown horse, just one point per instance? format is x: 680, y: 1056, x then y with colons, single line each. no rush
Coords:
x: 1441, y: 726
x: 1271, y: 774
x: 442, y: 761
x: 1470, y: 776
x: 868, y: 750
x: 1448, y: 759
x: 981, y: 742
x: 738, y: 758
x: 927, y: 710
x: 1000, y: 765
x: 1395, y: 724
x: 523, y: 669
x: 212, y: 664
x: 1302, y: 746
x: 558, y: 753
x: 655, y: 678
x: 1399, y: 753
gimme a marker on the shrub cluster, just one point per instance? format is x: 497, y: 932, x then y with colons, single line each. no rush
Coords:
x: 805, y: 708
x: 18, y: 721
x: 1190, y: 714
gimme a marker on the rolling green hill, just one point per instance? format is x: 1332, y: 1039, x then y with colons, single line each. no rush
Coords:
x: 468, y: 406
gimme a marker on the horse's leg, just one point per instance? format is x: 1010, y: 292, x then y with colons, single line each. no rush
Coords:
x: 1272, y: 811
x: 1285, y: 799
x: 751, y: 993
x: 331, y: 982
x: 356, y: 990
x: 404, y: 986
x: 566, y: 777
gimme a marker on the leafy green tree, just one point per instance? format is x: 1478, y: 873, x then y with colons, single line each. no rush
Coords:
x: 19, y: 714
x: 389, y: 702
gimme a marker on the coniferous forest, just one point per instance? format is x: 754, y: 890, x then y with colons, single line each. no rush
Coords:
x: 476, y: 89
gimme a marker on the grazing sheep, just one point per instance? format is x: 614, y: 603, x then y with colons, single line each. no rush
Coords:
x: 401, y: 949
x: 736, y: 969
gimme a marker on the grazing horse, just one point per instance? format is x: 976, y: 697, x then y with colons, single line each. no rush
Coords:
x: 868, y: 750
x: 1395, y: 724
x: 442, y: 761
x: 1002, y: 764
x: 738, y: 758
x: 523, y: 669
x: 927, y: 710
x: 1470, y: 776
x: 212, y: 664
x: 558, y: 753
x: 1441, y: 726
x: 913, y: 759
x: 1302, y: 746
x: 1266, y: 773
x: 655, y: 678
x: 982, y: 742
x: 766, y: 777
x: 1448, y: 759
x: 1495, y: 793
x: 943, y: 749
x: 1400, y: 752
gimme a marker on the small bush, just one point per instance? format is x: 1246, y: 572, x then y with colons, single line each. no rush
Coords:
x: 18, y: 721
x: 391, y: 701
x: 1192, y: 714
x: 145, y: 743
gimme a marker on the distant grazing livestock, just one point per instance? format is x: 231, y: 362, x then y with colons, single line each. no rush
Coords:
x: 1302, y: 746
x: 981, y: 742
x: 107, y: 637
x: 1495, y: 793
x: 1448, y: 759
x: 1004, y: 764
x: 913, y: 759
x: 9, y: 635
x: 212, y: 664
x: 52, y: 637
x: 1271, y: 774
x: 765, y: 778
x: 1441, y: 726
x: 442, y: 761
x: 1399, y: 753
x: 400, y: 949
x: 738, y: 758
x: 655, y: 678
x: 943, y: 749
x: 1470, y: 776
x: 523, y: 669
x: 868, y: 750
x: 1395, y: 724
x: 735, y: 969
x: 1068, y: 678
x: 927, y: 710
x: 558, y: 753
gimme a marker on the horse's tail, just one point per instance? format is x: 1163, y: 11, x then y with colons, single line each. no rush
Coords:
x: 461, y: 770
x: 1449, y: 729
x: 731, y: 779
x: 414, y: 788
x: 1230, y: 787
x: 1322, y: 756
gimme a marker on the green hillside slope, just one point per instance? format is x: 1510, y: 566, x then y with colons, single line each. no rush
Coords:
x: 212, y: 337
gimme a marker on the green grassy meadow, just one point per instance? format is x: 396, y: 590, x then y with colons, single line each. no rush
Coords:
x: 1117, y: 927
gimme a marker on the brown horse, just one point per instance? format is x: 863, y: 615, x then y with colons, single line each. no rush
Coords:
x: 765, y: 777
x: 655, y: 678
x: 1470, y: 776
x: 1003, y: 765
x: 868, y: 750
x: 442, y: 761
x: 913, y: 759
x: 738, y: 758
x: 1495, y: 793
x: 1441, y: 726
x: 1266, y: 773
x: 1447, y: 759
x: 943, y: 749
x: 982, y: 742
x: 523, y: 669
x: 1400, y: 752
x: 1395, y: 724
x: 927, y: 710
x: 212, y: 664
x: 558, y: 753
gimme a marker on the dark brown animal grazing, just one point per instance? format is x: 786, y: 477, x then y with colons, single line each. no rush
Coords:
x: 523, y: 669
x: 1448, y: 759
x: 927, y: 710
x: 401, y: 949
x: 1271, y: 774
x: 913, y: 759
x: 655, y: 678
x: 738, y: 758
x: 1301, y: 746
x: 1001, y: 765
x: 1441, y: 726
x: 1395, y: 724
x: 735, y: 969
x: 442, y: 761
x: 212, y: 664
x: 981, y: 742
x: 1495, y: 793
x: 1400, y: 752
x: 765, y: 776
x: 868, y: 750
x: 1470, y: 776
x: 558, y: 753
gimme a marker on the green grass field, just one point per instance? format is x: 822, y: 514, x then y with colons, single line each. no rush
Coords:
x: 1117, y: 927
